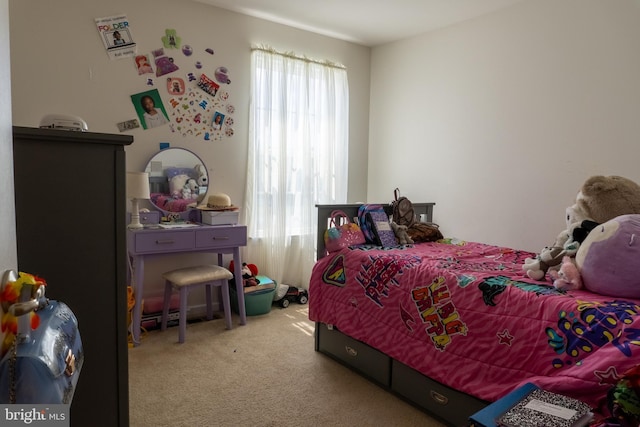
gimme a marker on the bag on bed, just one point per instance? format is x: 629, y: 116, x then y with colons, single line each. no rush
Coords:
x: 341, y: 234
x: 403, y: 212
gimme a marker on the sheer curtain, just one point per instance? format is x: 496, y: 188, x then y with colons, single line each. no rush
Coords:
x: 297, y: 158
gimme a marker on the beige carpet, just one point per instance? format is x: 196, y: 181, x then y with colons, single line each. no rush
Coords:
x: 265, y: 373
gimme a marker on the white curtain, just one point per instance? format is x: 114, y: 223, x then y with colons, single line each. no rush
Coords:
x: 297, y: 158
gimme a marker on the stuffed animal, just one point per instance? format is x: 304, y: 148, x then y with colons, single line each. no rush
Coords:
x: 608, y: 258
x: 249, y: 273
x: 568, y: 276
x: 602, y: 198
x: 550, y: 257
x: 192, y: 185
x: 202, y: 175
x: 401, y: 233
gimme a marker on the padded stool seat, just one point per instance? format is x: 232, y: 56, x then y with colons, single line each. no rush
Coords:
x: 184, y: 279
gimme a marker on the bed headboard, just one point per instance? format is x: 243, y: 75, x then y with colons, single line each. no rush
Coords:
x: 324, y: 214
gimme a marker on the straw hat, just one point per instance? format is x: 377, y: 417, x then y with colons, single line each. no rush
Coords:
x: 218, y: 202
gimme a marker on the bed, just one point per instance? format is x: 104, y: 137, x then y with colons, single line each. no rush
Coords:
x: 453, y: 325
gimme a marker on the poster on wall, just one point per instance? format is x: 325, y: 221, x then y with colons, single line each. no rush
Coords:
x: 150, y: 109
x: 115, y: 33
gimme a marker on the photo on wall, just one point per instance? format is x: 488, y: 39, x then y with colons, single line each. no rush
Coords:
x: 150, y: 109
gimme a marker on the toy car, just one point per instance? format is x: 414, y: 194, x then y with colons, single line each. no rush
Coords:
x: 298, y: 295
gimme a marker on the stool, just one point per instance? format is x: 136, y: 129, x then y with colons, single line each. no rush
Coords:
x: 187, y: 278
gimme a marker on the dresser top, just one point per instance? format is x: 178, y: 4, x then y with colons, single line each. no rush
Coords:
x: 70, y: 136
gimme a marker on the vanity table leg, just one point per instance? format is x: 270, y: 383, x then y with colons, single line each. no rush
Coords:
x: 138, y: 269
x: 237, y: 272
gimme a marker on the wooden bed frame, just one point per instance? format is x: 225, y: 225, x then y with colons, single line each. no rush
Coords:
x: 448, y: 405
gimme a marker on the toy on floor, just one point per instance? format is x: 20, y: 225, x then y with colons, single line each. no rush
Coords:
x: 286, y: 294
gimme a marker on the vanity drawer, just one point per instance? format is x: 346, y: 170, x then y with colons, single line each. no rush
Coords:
x: 165, y: 241
x: 216, y: 237
x: 355, y: 354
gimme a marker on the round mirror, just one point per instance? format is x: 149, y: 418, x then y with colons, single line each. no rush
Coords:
x: 178, y: 180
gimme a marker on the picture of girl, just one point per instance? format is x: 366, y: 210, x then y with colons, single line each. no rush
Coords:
x: 142, y: 63
x: 150, y: 109
x: 217, y: 121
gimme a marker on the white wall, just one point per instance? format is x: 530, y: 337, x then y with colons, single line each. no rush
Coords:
x: 499, y: 120
x: 60, y: 66
x: 8, y: 256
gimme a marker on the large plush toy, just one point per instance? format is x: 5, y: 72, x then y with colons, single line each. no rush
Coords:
x: 608, y: 258
x: 600, y: 199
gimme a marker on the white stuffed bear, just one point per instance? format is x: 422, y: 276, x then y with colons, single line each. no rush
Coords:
x: 202, y: 175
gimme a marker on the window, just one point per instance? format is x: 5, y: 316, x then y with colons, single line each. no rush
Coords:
x: 298, y: 145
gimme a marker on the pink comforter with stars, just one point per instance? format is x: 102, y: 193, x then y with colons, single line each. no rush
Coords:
x: 466, y: 316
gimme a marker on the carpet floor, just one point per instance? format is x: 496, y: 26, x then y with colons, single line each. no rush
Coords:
x: 265, y: 373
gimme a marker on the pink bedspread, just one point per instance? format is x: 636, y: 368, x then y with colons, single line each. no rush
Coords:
x: 170, y: 204
x: 465, y: 315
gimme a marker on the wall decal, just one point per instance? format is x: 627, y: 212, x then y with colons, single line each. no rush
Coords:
x: 187, y: 50
x: 143, y: 64
x: 175, y: 86
x: 164, y: 64
x: 208, y: 85
x: 116, y: 36
x: 222, y: 75
x: 170, y: 39
x: 128, y: 125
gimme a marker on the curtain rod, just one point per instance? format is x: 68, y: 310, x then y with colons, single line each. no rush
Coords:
x: 293, y: 55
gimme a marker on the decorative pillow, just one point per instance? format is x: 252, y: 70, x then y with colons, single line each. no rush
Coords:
x: 608, y: 258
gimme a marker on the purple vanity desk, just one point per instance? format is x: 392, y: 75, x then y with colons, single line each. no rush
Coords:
x: 221, y: 239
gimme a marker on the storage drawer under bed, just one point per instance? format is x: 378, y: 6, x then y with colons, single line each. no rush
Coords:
x: 444, y: 402
x: 368, y: 361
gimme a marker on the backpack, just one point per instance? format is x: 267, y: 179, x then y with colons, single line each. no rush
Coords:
x: 403, y: 212
x: 366, y: 224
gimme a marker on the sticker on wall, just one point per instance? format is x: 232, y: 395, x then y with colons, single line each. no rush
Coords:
x: 164, y: 64
x: 143, y: 64
x: 128, y: 125
x: 187, y: 50
x: 208, y: 85
x: 217, y: 121
x: 115, y: 33
x: 171, y: 39
x: 175, y: 85
x: 209, y: 51
x: 222, y: 75
x: 150, y: 109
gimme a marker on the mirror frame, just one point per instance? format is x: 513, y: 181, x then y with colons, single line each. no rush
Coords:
x: 165, y: 153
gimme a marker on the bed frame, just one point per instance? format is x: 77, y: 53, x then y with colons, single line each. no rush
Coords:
x: 448, y: 405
